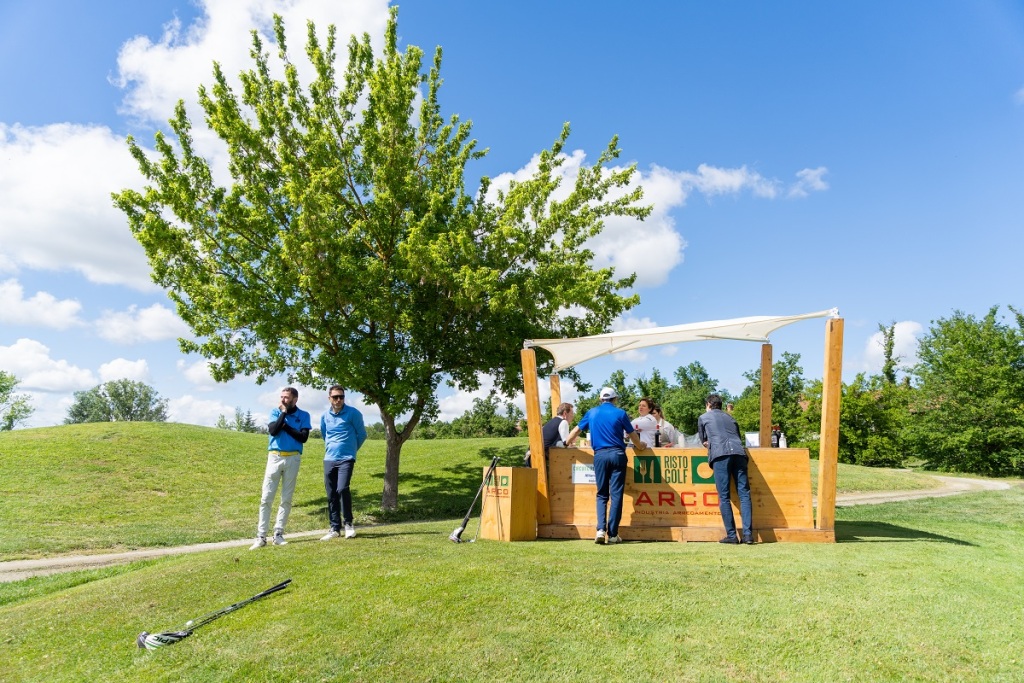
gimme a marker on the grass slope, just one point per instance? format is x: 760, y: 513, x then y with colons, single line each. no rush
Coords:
x: 115, y: 486
x: 918, y: 591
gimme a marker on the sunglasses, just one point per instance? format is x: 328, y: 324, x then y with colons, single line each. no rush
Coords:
x: 337, y: 397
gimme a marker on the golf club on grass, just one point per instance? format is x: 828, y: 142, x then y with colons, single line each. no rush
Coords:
x: 456, y: 536
x: 152, y: 641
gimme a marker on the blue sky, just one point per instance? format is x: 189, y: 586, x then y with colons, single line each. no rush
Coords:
x: 800, y: 156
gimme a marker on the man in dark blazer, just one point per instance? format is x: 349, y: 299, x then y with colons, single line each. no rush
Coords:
x: 720, y: 434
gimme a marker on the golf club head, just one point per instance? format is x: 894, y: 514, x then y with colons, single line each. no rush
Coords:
x: 151, y: 641
x: 456, y: 536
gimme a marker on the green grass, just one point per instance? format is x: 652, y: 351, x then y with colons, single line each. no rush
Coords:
x: 106, y: 487
x: 117, y: 486
x: 919, y: 591
x: 926, y: 590
x: 856, y: 479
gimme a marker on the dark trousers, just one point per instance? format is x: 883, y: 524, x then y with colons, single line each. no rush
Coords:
x: 337, y: 475
x: 733, y: 468
x: 610, y: 477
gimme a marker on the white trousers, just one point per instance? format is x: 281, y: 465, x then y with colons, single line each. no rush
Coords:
x: 282, y: 470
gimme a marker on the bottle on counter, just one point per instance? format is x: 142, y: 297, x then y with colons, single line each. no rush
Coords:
x: 657, y: 436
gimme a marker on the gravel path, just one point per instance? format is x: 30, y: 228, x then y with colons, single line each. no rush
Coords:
x: 22, y: 569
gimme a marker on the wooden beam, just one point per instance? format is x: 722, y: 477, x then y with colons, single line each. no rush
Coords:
x: 556, y: 393
x: 533, y: 425
x: 831, y: 392
x: 765, y: 428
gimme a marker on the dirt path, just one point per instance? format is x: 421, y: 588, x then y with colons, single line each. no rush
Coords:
x: 23, y: 569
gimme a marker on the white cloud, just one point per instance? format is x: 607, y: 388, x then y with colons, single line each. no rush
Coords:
x: 155, y: 323
x: 1018, y: 96
x: 809, y: 180
x: 156, y: 74
x: 121, y: 368
x: 56, y: 179
x: 42, y: 309
x: 192, y: 410
x: 904, y: 347
x: 30, y: 362
x: 653, y: 247
x: 711, y: 181
x: 57, y: 213
x: 198, y: 373
x: 50, y: 408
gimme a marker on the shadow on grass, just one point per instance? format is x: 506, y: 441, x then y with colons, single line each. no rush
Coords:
x: 883, y: 532
x: 441, y: 494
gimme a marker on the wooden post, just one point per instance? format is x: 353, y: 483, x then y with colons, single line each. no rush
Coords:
x: 831, y: 392
x: 533, y: 425
x: 556, y: 393
x: 765, y: 429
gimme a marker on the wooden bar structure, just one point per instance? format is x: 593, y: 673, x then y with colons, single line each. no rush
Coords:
x: 670, y: 493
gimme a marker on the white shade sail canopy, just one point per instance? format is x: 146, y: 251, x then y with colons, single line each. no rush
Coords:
x: 570, y: 352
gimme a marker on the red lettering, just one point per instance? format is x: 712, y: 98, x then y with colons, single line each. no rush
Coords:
x: 693, y: 496
x: 708, y: 495
x: 643, y: 499
x: 666, y: 498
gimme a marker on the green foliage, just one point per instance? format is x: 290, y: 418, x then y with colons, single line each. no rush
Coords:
x: 889, y: 602
x: 968, y: 407
x: 872, y: 414
x: 149, y: 484
x: 14, y: 408
x: 484, y: 419
x: 346, y: 248
x: 682, y: 403
x: 787, y: 399
x: 686, y: 401
x: 122, y: 400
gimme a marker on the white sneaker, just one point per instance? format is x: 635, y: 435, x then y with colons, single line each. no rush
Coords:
x: 600, y: 538
x: 332, y: 534
x: 350, y: 531
x: 613, y: 539
x: 279, y: 538
x: 260, y: 542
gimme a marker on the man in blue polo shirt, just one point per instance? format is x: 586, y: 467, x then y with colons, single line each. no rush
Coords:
x: 289, y: 429
x: 344, y: 433
x: 607, y: 423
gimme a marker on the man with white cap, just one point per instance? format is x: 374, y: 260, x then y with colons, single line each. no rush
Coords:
x: 606, y: 423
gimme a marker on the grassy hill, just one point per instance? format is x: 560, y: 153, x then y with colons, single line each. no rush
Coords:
x: 122, y: 485
x: 927, y: 590
x: 110, y: 486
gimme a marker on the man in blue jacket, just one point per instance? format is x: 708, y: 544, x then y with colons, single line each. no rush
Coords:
x: 727, y: 456
x: 289, y: 429
x: 344, y: 433
x: 607, y: 423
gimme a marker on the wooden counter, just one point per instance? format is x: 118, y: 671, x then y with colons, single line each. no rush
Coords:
x: 670, y: 495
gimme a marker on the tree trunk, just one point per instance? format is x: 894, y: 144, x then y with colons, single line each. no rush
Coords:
x: 389, y: 499
x: 395, y: 439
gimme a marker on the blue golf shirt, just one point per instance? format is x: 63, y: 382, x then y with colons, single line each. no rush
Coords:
x: 606, y: 423
x: 343, y: 432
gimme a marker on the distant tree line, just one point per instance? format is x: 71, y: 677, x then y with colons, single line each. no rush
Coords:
x: 959, y: 408
x: 242, y: 422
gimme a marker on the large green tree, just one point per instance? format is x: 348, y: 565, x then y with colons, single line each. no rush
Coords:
x: 967, y: 413
x: 122, y: 400
x: 346, y: 248
x: 686, y: 402
x: 14, y: 408
x: 788, y: 386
